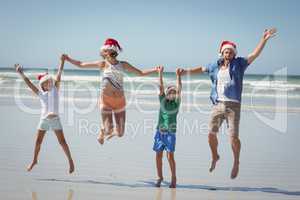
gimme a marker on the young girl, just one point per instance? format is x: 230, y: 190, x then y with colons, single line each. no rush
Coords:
x: 48, y: 93
x: 165, y: 137
x: 112, y: 99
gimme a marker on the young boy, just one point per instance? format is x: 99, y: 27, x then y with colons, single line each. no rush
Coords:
x: 165, y: 137
x: 48, y: 93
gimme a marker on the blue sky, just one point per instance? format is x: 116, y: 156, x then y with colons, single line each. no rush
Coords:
x: 171, y: 33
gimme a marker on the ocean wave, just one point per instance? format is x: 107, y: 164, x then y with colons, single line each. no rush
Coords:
x: 154, y: 92
x: 279, y: 85
x: 263, y: 84
x: 245, y: 107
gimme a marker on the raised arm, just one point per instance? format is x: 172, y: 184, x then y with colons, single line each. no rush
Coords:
x: 179, y: 72
x: 93, y: 64
x: 19, y: 69
x: 137, y: 71
x: 59, y: 72
x: 268, y: 33
x: 160, y: 70
x: 195, y: 70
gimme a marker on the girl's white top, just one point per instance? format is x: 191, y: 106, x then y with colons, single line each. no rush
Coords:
x: 114, y: 73
x: 49, y: 102
x: 223, y: 81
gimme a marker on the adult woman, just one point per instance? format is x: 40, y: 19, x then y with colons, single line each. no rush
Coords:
x: 112, y: 99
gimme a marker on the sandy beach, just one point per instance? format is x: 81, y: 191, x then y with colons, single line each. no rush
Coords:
x: 125, y: 168
x: 200, y: 61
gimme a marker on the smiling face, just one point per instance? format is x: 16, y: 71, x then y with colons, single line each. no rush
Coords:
x: 228, y: 54
x: 108, y: 53
x: 47, y: 85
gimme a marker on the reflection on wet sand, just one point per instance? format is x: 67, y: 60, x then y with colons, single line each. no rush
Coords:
x: 159, y: 194
x: 145, y: 184
x: 34, y: 195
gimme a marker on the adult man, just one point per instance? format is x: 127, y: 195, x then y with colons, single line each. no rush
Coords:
x: 226, y: 75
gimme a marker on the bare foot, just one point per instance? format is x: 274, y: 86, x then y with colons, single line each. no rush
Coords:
x: 71, y: 169
x: 173, y: 183
x: 213, y: 163
x: 235, y: 170
x: 29, y: 168
x: 101, y: 136
x: 158, y: 182
x: 108, y: 137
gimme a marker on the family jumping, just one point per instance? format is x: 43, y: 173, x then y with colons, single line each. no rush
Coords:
x: 226, y: 75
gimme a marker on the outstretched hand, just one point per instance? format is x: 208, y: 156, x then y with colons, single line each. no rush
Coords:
x: 64, y: 57
x: 268, y: 33
x: 19, y: 68
x: 179, y: 71
x: 159, y: 69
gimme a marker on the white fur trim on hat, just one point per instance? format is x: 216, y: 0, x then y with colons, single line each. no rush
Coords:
x: 228, y: 46
x: 43, y: 79
x: 110, y: 47
x: 170, y: 88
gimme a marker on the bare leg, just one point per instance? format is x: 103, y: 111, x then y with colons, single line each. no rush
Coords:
x: 61, y: 139
x: 159, y: 156
x: 213, y: 143
x: 236, y: 148
x: 107, y: 124
x: 170, y: 156
x: 38, y: 142
x: 120, y: 118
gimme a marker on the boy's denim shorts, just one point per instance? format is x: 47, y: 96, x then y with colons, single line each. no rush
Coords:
x: 164, y: 141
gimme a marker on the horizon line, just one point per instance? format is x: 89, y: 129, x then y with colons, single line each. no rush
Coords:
x: 75, y: 69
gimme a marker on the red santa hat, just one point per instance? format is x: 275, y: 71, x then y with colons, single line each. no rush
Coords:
x: 43, y: 77
x: 111, y: 44
x: 171, y: 88
x: 227, y: 45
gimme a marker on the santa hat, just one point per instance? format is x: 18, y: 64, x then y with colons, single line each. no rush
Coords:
x: 111, y: 44
x: 227, y: 45
x: 42, y: 78
x: 170, y: 88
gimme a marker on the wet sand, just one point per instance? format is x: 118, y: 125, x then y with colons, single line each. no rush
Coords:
x: 125, y: 168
